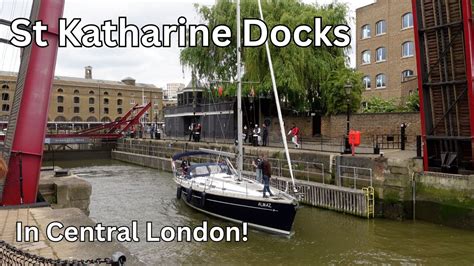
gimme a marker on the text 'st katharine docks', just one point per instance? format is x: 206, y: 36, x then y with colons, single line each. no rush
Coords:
x: 122, y: 34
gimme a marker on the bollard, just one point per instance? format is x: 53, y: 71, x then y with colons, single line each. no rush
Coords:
x: 118, y: 259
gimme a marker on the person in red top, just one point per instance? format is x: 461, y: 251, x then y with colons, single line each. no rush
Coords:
x: 294, y: 131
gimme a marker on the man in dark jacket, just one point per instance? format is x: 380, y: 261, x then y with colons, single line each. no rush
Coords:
x: 267, y: 174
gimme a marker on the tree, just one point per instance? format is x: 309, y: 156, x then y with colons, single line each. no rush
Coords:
x: 301, y: 73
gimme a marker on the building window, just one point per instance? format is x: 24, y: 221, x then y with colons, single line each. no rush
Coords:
x: 91, y: 110
x: 60, y: 90
x: 381, y: 27
x: 106, y: 110
x: 60, y: 99
x: 76, y: 91
x: 407, y: 49
x: 366, y: 57
x: 5, y: 87
x: 91, y: 92
x: 132, y: 101
x: 5, y: 96
x: 381, y: 81
x: 407, y: 21
x: 76, y: 109
x: 5, y: 107
x: 407, y: 75
x: 119, y: 94
x: 60, y: 109
x: 76, y: 99
x: 365, y: 31
x: 106, y: 93
x: 106, y: 101
x: 91, y: 100
x: 366, y: 82
x: 119, y: 111
x: 119, y: 102
x: 381, y: 54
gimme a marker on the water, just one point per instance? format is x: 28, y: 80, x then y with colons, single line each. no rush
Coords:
x: 122, y: 193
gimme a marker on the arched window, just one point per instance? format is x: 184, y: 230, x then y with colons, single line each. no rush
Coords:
x: 366, y: 57
x: 76, y: 91
x: 5, y: 87
x: 119, y: 102
x: 408, y: 49
x: 76, y: 99
x: 407, y: 74
x: 407, y: 21
x: 106, y: 93
x: 91, y: 100
x: 381, y: 54
x: 91, y: 92
x: 60, y: 90
x: 60, y: 119
x: 60, y: 99
x: 76, y: 119
x: 118, y: 118
x: 119, y: 94
x: 381, y: 27
x: 105, y: 120
x: 365, y: 31
x: 381, y: 81
x: 91, y: 110
x: 5, y: 96
x: 366, y: 82
x: 91, y: 119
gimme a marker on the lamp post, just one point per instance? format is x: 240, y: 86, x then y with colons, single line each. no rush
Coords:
x: 347, y: 146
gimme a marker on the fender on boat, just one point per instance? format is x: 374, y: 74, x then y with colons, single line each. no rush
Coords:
x: 178, y: 192
x: 189, y: 195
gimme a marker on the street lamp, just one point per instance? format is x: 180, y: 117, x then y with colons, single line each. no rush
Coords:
x: 347, y: 146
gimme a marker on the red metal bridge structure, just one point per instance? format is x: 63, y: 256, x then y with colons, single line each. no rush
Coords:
x: 445, y: 49
x: 24, y: 141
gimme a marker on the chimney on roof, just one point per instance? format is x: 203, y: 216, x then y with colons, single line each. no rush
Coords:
x: 88, y: 72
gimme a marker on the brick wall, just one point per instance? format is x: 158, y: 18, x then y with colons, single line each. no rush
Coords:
x: 372, y: 124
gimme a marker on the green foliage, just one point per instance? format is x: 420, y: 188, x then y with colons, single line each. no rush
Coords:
x: 307, y: 78
x: 379, y: 105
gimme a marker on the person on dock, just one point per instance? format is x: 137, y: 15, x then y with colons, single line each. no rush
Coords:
x: 191, y: 131
x: 258, y: 164
x: 256, y: 135
x: 197, y: 133
x: 267, y: 174
x: 294, y: 131
x: 264, y: 135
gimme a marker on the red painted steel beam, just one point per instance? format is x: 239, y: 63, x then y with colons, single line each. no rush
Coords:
x: 469, y: 52
x: 136, y: 119
x: 30, y: 130
x: 419, y: 62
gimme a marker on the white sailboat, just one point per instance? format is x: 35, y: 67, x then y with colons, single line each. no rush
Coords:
x: 220, y: 190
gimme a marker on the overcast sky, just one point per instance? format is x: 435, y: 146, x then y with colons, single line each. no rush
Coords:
x: 153, y: 65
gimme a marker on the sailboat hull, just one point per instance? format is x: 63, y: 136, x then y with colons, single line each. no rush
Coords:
x: 265, y: 215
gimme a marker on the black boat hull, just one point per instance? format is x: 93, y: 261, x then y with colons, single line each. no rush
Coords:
x: 269, y: 216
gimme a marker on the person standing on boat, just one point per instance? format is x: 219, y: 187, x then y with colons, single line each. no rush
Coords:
x: 267, y: 174
x: 294, y: 131
x: 258, y: 164
x: 264, y: 135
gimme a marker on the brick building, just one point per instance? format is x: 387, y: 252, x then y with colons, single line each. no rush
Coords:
x: 87, y: 99
x: 385, y: 49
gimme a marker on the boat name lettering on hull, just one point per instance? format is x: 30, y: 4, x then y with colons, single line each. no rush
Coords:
x: 265, y: 205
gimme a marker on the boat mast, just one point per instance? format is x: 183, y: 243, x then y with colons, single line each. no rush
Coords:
x: 277, y: 101
x: 240, y: 154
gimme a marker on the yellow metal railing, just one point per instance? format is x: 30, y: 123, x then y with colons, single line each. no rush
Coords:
x: 370, y: 199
